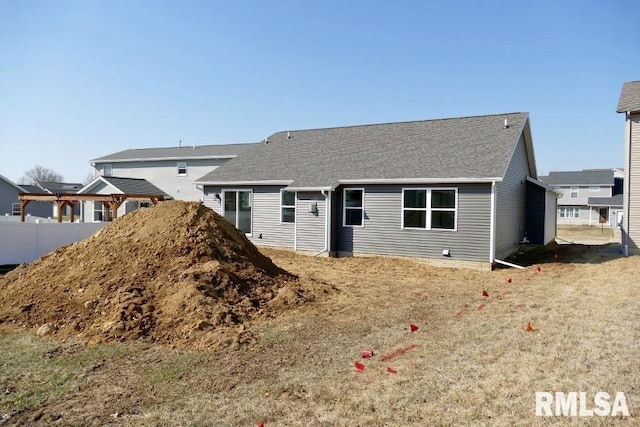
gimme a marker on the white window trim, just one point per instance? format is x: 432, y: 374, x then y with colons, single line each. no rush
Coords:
x: 571, y: 196
x: 594, y: 189
x: 344, y: 207
x: 569, y: 212
x: 14, y: 210
x: 295, y: 200
x: 186, y: 168
x: 109, y: 167
x: 429, y: 209
x: 222, y: 203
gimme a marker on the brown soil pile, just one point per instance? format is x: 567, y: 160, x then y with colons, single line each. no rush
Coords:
x: 176, y: 274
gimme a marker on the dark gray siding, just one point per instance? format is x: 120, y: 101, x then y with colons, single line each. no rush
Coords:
x: 511, y: 203
x: 535, y: 215
x: 382, y: 233
x: 9, y: 196
x: 310, y: 226
x: 265, y: 211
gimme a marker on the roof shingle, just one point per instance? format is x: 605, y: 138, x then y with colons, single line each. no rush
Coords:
x: 478, y: 147
x: 588, y: 177
x: 629, y: 97
x: 176, y: 153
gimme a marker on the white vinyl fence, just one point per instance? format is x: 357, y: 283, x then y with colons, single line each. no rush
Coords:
x: 27, y: 241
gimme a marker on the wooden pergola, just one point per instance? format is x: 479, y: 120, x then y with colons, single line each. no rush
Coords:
x: 112, y: 201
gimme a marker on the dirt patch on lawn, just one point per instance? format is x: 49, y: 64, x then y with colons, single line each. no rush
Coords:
x: 177, y: 274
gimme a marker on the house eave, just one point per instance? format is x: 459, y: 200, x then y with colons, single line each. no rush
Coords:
x: 485, y: 180
x: 237, y: 183
x: 157, y: 159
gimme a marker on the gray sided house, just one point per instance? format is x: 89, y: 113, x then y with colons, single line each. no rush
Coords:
x: 141, y: 191
x: 588, y: 197
x: 10, y: 203
x: 171, y: 169
x: 461, y: 190
x: 629, y: 104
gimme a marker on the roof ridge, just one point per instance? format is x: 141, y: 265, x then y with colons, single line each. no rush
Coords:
x: 186, y: 147
x: 404, y: 122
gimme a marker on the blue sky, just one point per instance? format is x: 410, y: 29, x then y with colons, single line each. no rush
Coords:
x: 83, y: 79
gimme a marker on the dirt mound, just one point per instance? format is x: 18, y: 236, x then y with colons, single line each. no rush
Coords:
x: 176, y: 274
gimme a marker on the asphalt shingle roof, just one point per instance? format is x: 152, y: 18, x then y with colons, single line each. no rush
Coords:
x: 590, y: 177
x: 135, y: 186
x: 616, y: 200
x: 31, y: 188
x: 629, y: 97
x: 176, y: 153
x: 478, y: 147
x: 61, y: 187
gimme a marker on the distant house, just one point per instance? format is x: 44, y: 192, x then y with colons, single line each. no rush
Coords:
x: 461, y: 191
x: 137, y: 193
x: 10, y: 203
x: 588, y: 197
x: 59, y: 187
x: 629, y: 104
x: 171, y: 169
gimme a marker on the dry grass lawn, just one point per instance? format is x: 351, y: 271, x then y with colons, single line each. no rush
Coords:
x: 471, y: 362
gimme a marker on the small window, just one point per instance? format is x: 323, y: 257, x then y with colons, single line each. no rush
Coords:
x: 574, y: 192
x: 182, y: 168
x: 594, y: 189
x: 15, y: 209
x: 107, y: 170
x: 288, y: 206
x: 354, y: 207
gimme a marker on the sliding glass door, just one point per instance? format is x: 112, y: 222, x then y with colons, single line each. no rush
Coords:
x: 237, y: 209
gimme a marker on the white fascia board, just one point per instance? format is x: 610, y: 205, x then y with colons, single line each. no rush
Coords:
x: 310, y: 189
x: 421, y: 181
x: 157, y: 159
x: 236, y: 183
x: 84, y: 190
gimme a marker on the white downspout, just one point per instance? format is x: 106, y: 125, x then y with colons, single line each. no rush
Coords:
x: 626, y: 189
x: 327, y: 222
x: 492, y: 225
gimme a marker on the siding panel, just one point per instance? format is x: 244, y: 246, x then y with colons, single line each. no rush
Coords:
x: 511, y: 203
x: 634, y: 185
x: 382, y: 233
x: 265, y: 211
x: 310, y: 227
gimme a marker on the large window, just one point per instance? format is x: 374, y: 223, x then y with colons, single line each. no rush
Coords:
x: 182, y: 168
x: 107, y: 170
x: 569, y: 211
x: 237, y: 209
x: 287, y: 206
x: 574, y: 192
x: 429, y: 208
x: 354, y: 207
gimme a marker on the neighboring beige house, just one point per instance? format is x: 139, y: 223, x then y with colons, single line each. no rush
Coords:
x: 588, y: 197
x: 629, y: 104
x: 171, y: 169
